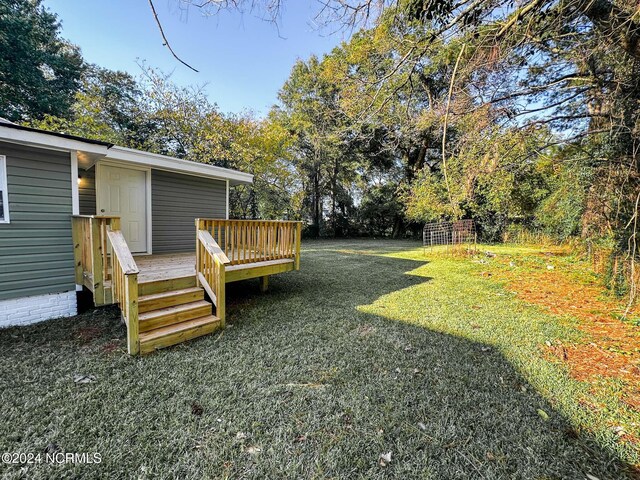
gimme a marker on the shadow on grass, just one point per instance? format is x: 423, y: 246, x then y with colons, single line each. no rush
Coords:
x: 302, y: 384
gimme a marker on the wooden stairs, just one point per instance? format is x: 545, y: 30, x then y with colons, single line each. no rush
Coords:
x: 173, y: 311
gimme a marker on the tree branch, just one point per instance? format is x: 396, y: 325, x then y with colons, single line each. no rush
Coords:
x: 164, y: 38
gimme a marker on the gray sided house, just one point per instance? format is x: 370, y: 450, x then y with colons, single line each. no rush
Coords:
x: 46, y: 179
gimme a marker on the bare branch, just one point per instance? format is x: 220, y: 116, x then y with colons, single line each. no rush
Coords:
x: 164, y: 37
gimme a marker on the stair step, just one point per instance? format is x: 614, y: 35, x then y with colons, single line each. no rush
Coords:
x: 177, y: 333
x: 156, y: 301
x: 176, y: 314
x: 159, y: 286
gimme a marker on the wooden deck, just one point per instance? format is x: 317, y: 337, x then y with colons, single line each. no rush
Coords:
x: 171, y: 298
x: 168, y: 266
x: 165, y: 266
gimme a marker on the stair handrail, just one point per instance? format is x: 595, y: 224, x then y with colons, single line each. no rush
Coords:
x: 124, y: 286
x: 211, y: 262
x: 92, y: 268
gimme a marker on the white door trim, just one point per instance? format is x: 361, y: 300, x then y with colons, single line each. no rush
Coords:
x: 147, y: 170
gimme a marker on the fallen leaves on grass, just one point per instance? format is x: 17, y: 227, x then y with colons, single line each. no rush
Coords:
x: 611, y: 346
x: 384, y: 459
x: 365, y: 330
x: 196, y: 409
x: 543, y: 415
x: 612, y: 351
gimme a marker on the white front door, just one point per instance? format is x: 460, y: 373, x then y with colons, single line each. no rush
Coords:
x: 122, y: 192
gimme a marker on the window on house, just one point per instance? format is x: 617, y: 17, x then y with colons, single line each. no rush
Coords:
x: 4, y: 196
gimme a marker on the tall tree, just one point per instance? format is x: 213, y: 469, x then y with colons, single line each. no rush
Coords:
x: 39, y: 71
x: 109, y: 107
x: 310, y: 109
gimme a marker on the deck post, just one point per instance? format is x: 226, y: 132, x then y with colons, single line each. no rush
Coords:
x: 220, y: 296
x: 197, y: 223
x: 264, y: 283
x: 133, y: 342
x: 114, y: 222
x: 96, y: 262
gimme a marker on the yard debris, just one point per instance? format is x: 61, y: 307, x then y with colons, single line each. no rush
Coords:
x: 365, y: 330
x: 490, y: 254
x: 591, y: 477
x: 550, y: 267
x: 84, y: 378
x: 384, y: 459
x: 485, y: 349
x: 241, y: 436
x: 543, y: 415
x: 253, y: 450
x: 196, y: 409
x: 619, y: 430
x: 347, y: 420
x: 299, y: 439
x: 51, y: 448
x: 422, y: 426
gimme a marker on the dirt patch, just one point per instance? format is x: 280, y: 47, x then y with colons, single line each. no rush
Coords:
x: 88, y: 334
x: 111, y: 346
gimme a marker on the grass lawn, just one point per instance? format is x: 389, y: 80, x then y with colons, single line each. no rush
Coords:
x: 371, y: 348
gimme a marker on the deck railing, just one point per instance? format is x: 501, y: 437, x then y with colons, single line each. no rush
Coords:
x: 248, y: 241
x: 210, y: 271
x: 90, y: 252
x: 124, y: 286
x: 104, y: 265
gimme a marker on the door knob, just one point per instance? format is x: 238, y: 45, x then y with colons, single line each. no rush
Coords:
x: 102, y: 210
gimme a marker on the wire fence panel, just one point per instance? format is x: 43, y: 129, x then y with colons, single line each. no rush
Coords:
x: 449, y: 233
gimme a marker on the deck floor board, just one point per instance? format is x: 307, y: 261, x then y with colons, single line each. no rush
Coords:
x: 176, y: 265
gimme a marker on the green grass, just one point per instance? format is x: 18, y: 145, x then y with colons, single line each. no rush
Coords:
x: 369, y: 349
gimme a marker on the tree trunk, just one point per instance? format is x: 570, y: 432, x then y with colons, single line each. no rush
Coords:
x: 317, y: 203
x: 398, y: 227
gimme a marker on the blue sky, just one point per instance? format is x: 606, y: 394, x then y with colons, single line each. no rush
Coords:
x: 242, y: 59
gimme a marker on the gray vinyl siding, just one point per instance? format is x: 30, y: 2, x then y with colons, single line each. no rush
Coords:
x: 176, y: 201
x: 87, y: 191
x: 36, y: 248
